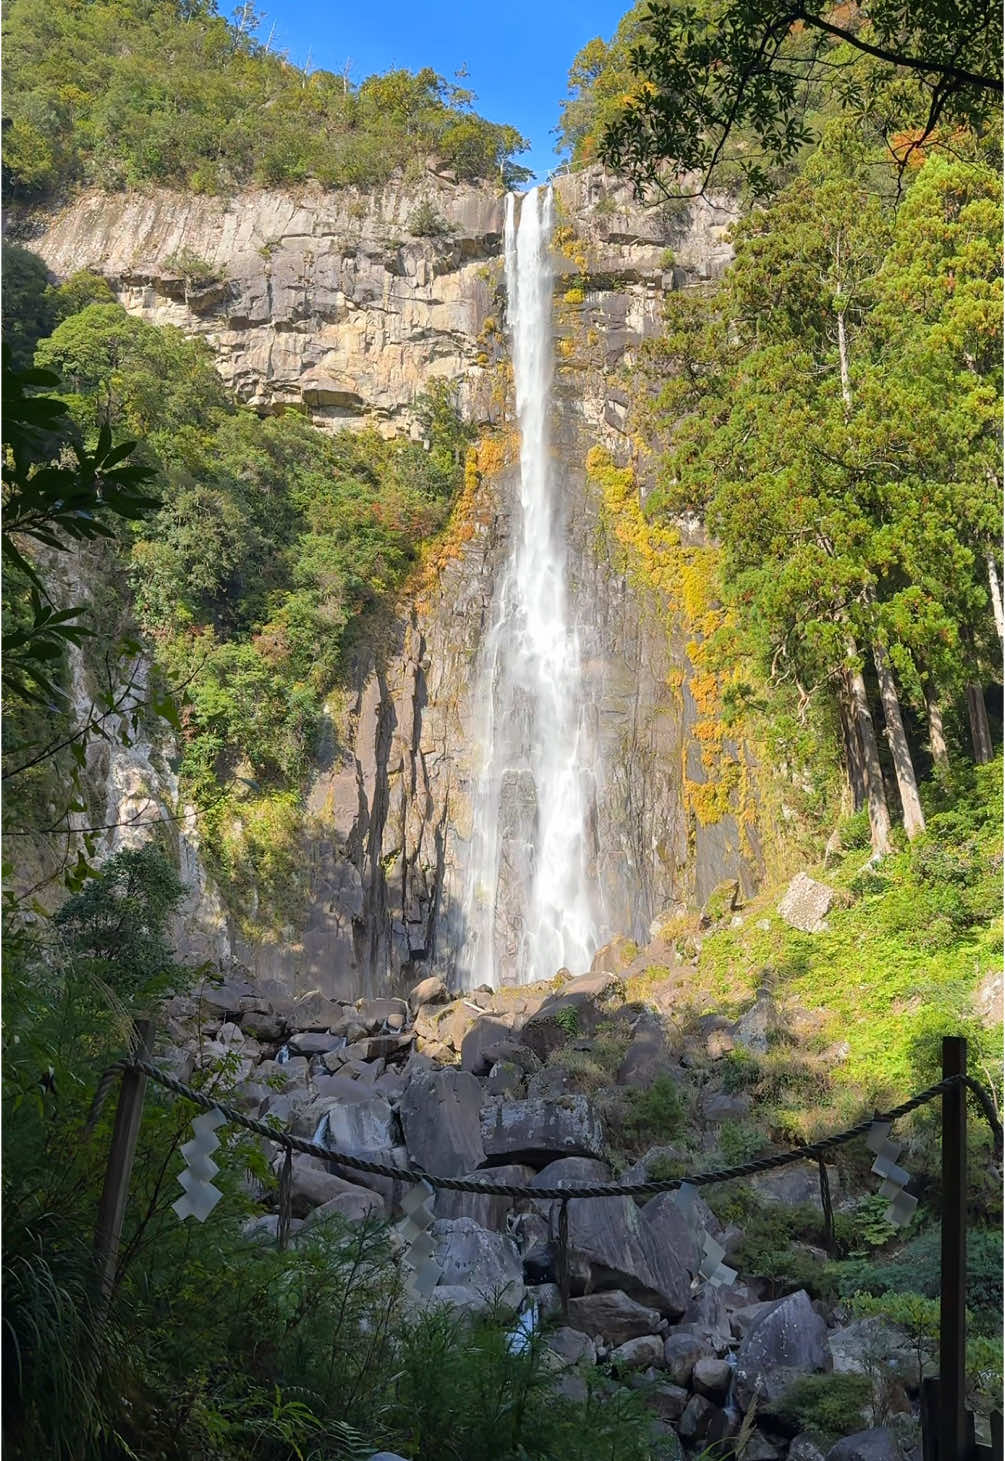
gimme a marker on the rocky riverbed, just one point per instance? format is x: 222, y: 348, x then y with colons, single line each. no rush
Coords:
x: 490, y: 1085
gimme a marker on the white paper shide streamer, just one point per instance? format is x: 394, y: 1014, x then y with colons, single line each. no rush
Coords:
x: 895, y: 1179
x: 200, y: 1196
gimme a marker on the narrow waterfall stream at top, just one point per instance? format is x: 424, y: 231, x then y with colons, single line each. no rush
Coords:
x: 529, y: 910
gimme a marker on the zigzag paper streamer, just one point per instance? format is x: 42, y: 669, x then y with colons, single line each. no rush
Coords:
x: 200, y: 1196
x: 711, y: 1267
x: 421, y: 1273
x: 895, y: 1179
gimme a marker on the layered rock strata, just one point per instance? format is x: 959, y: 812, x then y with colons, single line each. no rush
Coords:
x: 328, y: 303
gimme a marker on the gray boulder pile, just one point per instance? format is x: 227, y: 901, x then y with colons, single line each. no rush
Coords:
x: 470, y: 1087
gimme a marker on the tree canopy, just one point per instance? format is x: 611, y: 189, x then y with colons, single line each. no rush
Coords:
x: 831, y: 411
x: 725, y: 91
x: 120, y: 93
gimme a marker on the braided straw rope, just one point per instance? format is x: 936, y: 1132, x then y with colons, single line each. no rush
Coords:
x: 291, y: 1143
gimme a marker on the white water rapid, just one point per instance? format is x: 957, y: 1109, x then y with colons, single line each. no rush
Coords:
x: 528, y: 906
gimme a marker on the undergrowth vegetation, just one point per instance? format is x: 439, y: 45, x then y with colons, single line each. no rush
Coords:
x: 214, y: 1344
x: 895, y: 969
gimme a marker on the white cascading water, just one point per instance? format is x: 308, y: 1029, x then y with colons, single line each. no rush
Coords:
x: 528, y: 906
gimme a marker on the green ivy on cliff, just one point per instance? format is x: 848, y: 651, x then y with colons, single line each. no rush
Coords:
x: 122, y: 93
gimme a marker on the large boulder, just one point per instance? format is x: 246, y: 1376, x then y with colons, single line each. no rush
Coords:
x: 487, y: 1211
x: 539, y: 1131
x: 472, y: 1257
x: 360, y: 1122
x: 866, y: 1346
x: 617, y: 1246
x: 789, y: 1341
x: 806, y: 904
x: 681, y: 1352
x: 570, y: 1346
x: 352, y: 1206
x: 612, y: 1317
x: 878, y: 1444
x: 428, y: 991
x: 754, y: 1028
x: 311, y: 1186
x: 265, y: 1024
x: 440, y: 1116
x: 646, y: 1058
x: 794, y: 1186
x: 478, y: 1043
x: 638, y: 1354
x: 571, y: 1172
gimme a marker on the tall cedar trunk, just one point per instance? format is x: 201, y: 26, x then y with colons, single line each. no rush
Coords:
x: 980, y: 730
x: 914, y: 817
x: 879, y: 814
x: 852, y: 745
x: 996, y: 594
x: 843, y: 364
x: 936, y: 733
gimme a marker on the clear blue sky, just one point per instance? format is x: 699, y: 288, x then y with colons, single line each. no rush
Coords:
x: 517, y: 52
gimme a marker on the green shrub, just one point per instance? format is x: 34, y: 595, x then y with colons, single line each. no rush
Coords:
x: 769, y: 1246
x: 655, y: 1114
x: 916, y: 1270
x: 425, y: 221
x: 832, y: 1405
x: 739, y: 1071
x: 666, y: 1169
x: 863, y: 1229
x: 567, y: 1019
x: 854, y: 831
x: 740, y: 1141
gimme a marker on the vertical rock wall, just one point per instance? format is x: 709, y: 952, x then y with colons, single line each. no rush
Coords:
x: 328, y: 302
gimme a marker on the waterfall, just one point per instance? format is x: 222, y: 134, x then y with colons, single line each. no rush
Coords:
x: 528, y: 905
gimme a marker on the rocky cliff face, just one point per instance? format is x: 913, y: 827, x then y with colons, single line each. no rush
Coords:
x: 330, y: 303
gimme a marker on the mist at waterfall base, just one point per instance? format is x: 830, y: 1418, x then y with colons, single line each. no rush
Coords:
x: 529, y: 909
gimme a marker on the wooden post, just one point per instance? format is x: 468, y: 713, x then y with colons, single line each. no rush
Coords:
x: 952, y: 1316
x: 112, y: 1208
x: 930, y: 1419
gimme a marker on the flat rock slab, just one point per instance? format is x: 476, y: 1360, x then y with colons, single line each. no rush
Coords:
x: 539, y: 1131
x: 806, y: 904
x: 612, y: 1317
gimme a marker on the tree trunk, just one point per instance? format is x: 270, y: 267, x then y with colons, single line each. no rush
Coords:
x: 936, y: 734
x: 996, y: 594
x: 843, y: 363
x: 914, y: 817
x: 879, y: 814
x: 980, y: 730
x: 854, y: 760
